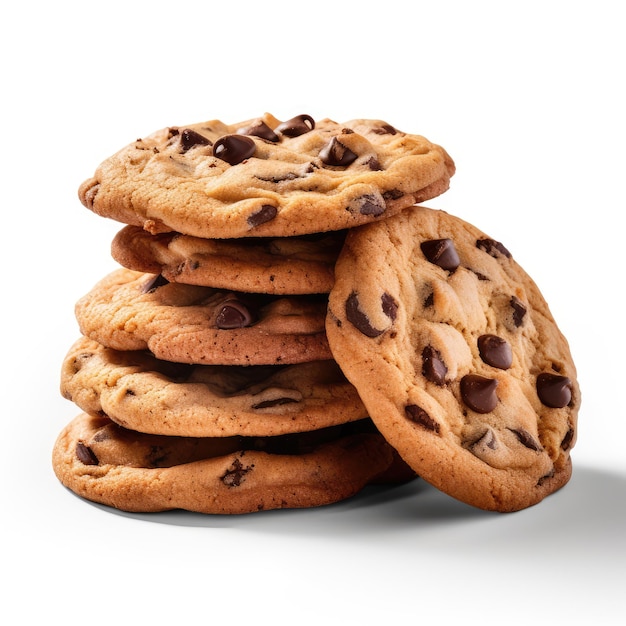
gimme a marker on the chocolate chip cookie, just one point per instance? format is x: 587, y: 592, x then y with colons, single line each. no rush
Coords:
x: 267, y: 178
x: 457, y: 358
x: 145, y: 394
x: 130, y: 310
x: 106, y: 463
x: 278, y: 265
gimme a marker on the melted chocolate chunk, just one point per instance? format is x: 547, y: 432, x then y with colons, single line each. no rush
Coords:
x: 260, y: 129
x: 335, y: 153
x: 526, y: 439
x: 495, y: 351
x: 441, y: 252
x: 433, y: 367
x: 85, y: 454
x: 234, y: 148
x: 419, y: 416
x: 360, y: 320
x: 479, y: 393
x: 296, y: 126
x: 233, y: 314
x: 190, y: 138
x: 370, y: 205
x: 235, y: 475
x: 519, y: 310
x: 553, y: 390
x: 265, y: 214
x: 493, y: 248
x: 154, y: 283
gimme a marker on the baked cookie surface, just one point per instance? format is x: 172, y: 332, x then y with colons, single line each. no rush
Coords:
x: 266, y: 178
x: 279, y: 265
x: 144, y: 394
x: 456, y: 357
x: 129, y: 310
x: 105, y: 463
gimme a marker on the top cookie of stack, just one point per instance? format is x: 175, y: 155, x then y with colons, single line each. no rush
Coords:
x: 264, y: 178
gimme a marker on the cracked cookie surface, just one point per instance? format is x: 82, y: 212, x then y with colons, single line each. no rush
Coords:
x: 457, y: 358
x: 266, y: 178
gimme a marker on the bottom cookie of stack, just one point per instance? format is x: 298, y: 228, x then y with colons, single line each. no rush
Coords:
x: 108, y: 464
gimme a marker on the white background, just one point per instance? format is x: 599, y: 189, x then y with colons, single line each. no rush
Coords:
x: 527, y: 98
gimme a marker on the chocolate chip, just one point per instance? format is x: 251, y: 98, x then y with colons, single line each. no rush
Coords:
x: 233, y: 314
x: 418, y: 415
x: 234, y: 476
x: 374, y: 164
x: 360, y: 320
x: 154, y: 283
x: 370, y: 205
x: 519, y: 310
x: 234, y: 148
x: 265, y: 214
x: 393, y: 194
x: 85, y: 454
x: 526, y: 438
x: 495, y: 351
x: 479, y: 393
x: 296, y: 126
x: 493, y: 248
x: 433, y: 367
x: 260, y: 129
x: 335, y: 153
x: 441, y: 252
x: 385, y: 129
x: 389, y: 305
x: 190, y: 138
x: 553, y: 390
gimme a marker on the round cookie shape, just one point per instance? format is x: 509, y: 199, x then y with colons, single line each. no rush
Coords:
x: 278, y: 265
x: 130, y: 310
x: 457, y: 358
x: 147, y: 395
x: 264, y: 178
x: 105, y: 463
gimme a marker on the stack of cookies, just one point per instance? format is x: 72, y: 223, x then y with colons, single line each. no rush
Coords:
x: 288, y: 325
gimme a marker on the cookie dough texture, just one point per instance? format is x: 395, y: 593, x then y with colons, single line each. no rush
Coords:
x: 144, y: 394
x: 104, y: 463
x: 263, y: 177
x: 456, y: 357
x: 129, y: 310
x: 278, y: 265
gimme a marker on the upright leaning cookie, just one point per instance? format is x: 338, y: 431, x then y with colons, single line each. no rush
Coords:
x: 264, y: 178
x: 457, y: 358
